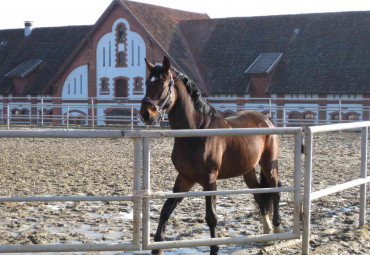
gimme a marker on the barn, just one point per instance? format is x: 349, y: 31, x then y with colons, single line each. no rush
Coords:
x: 311, y: 67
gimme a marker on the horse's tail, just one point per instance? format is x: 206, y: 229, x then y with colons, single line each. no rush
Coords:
x: 267, y: 197
x: 269, y: 166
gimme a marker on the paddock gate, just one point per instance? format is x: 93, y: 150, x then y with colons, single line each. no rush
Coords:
x: 141, y: 194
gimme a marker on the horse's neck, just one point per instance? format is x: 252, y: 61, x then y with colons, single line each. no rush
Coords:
x: 184, y: 115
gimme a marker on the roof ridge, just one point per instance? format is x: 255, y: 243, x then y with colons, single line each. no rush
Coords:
x: 69, y: 26
x: 279, y: 15
x: 168, y: 8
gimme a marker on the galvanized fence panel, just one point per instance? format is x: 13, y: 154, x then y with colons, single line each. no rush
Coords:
x: 309, y: 196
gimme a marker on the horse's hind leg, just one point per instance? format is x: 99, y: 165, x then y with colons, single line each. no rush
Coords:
x: 261, y: 199
x: 211, y: 215
x: 269, y: 178
x: 182, y: 184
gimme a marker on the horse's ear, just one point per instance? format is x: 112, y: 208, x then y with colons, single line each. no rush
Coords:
x: 149, y: 65
x: 166, y: 64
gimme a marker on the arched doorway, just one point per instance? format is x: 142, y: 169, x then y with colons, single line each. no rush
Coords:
x: 121, y: 88
x: 118, y: 116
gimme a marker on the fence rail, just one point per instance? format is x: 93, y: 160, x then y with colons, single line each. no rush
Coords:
x: 142, y: 195
x: 95, y: 111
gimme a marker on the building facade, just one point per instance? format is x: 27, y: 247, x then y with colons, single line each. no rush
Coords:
x: 312, y: 67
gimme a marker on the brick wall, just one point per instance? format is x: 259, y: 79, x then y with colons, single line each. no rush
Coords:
x: 259, y: 83
x: 87, y: 54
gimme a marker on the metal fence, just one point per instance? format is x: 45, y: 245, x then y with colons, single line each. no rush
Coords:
x: 92, y: 112
x: 310, y: 196
x: 142, y: 194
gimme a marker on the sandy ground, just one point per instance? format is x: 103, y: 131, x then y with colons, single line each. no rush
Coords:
x: 61, y: 167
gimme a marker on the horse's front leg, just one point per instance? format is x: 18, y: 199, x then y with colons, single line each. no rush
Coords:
x: 211, y: 215
x: 182, y: 184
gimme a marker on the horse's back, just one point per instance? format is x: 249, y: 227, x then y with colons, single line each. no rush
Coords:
x: 249, y: 119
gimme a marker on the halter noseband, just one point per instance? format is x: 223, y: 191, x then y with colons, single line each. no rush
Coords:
x: 159, y: 108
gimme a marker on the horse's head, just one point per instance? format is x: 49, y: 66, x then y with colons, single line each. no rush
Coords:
x: 159, y: 95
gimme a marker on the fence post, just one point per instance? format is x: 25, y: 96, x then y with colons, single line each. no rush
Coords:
x: 364, y: 137
x: 270, y: 106
x: 8, y: 116
x: 284, y: 124
x: 67, y: 117
x: 92, y: 113
x: 340, y: 111
x: 42, y: 111
x: 307, y: 193
x: 146, y: 188
x: 132, y: 117
x: 297, y: 182
x: 136, y: 195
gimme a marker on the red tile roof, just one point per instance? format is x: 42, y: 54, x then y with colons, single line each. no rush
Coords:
x: 322, y: 53
x: 53, y: 45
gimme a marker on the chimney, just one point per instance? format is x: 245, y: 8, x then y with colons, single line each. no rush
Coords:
x: 27, y: 28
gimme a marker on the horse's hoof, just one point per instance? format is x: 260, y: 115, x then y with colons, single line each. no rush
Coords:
x: 278, y: 229
x: 267, y: 226
x: 157, y: 252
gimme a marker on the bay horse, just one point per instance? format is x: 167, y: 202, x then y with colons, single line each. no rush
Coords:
x: 204, y: 160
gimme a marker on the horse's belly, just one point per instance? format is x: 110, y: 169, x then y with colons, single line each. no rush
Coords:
x: 234, y: 170
x: 238, y: 160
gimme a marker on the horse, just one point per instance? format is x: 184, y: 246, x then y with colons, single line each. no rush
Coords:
x: 204, y: 160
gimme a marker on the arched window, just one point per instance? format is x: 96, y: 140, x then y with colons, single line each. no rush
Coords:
x: 118, y: 116
x: 353, y: 116
x: 295, y: 116
x: 104, y: 86
x: 121, y: 59
x: 15, y: 112
x: 121, y: 45
x: 121, y: 33
x: 80, y: 83
x: 309, y: 116
x: 103, y: 56
x: 335, y: 116
x: 110, y: 54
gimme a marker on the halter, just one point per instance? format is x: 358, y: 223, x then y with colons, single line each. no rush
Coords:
x: 159, y: 108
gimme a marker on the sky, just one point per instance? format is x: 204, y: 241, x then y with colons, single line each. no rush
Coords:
x: 46, y: 13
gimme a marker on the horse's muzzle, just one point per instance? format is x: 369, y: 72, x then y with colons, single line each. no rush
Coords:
x: 146, y: 119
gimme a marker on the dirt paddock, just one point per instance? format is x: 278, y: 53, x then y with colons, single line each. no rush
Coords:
x: 70, y: 167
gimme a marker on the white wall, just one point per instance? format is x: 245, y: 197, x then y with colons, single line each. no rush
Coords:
x: 76, y: 84
x: 135, y: 60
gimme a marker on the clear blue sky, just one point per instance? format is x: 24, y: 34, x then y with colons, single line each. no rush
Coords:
x: 80, y: 12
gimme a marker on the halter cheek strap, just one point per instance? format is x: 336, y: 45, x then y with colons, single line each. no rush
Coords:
x: 158, y: 108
